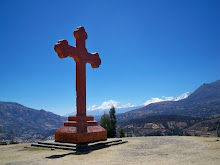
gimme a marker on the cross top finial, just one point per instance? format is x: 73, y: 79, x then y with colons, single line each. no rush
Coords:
x: 80, y: 33
x: 81, y: 36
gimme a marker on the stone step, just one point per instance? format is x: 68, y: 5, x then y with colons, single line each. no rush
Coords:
x: 81, y: 118
x: 53, y: 146
x: 105, y: 142
x: 117, y: 143
x: 77, y: 123
x: 57, y: 143
x: 79, y: 147
x: 74, y: 145
x: 108, y: 144
x: 114, y: 141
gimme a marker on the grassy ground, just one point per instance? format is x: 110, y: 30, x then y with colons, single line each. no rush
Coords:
x: 171, y: 150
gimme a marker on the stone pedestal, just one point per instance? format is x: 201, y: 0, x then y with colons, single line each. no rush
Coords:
x: 80, y: 129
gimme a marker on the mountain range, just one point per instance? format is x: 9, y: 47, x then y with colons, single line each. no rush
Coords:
x: 203, y: 102
x: 98, y: 111
x: 27, y: 124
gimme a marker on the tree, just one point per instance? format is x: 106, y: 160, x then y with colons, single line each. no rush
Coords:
x: 113, y: 121
x: 109, y: 123
x: 121, y: 133
x: 105, y: 122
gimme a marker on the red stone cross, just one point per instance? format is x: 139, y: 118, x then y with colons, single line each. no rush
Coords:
x: 81, y: 57
x: 79, y: 128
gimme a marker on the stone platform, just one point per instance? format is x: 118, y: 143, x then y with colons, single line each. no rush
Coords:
x: 87, y: 147
x: 80, y: 129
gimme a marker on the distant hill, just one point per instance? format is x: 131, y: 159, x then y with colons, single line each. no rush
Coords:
x: 203, y: 102
x: 158, y: 125
x: 26, y: 124
x: 205, y: 93
x: 171, y: 125
x: 209, y: 127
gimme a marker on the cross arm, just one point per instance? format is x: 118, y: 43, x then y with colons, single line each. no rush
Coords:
x: 94, y: 60
x: 63, y: 49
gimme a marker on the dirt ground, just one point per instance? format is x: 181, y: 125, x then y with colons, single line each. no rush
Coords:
x: 171, y: 150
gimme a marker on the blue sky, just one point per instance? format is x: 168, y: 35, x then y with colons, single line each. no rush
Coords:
x: 148, y: 49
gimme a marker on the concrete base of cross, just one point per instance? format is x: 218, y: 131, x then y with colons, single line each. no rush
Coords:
x: 80, y: 129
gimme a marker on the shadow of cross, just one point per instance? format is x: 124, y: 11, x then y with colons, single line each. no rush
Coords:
x: 81, y: 57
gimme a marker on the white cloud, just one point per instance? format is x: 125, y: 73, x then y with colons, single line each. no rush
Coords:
x: 109, y: 104
x: 165, y: 98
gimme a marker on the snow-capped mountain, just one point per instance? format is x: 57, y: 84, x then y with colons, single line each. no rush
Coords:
x: 183, y: 96
x: 164, y: 98
x: 98, y: 110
